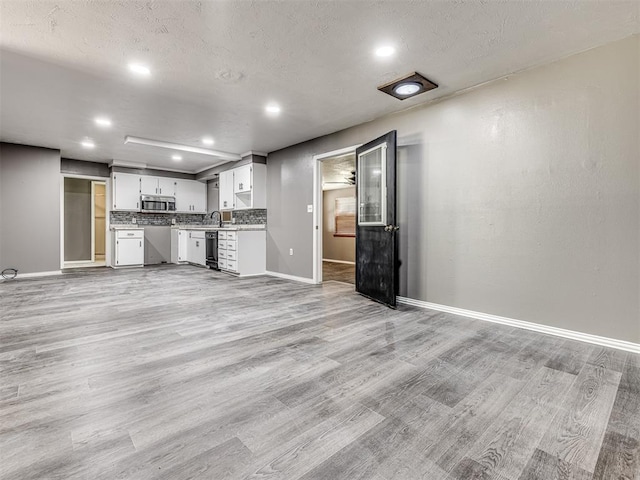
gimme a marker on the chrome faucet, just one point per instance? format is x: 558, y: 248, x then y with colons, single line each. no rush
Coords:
x: 219, y: 217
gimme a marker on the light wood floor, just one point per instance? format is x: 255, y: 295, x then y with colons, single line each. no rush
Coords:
x: 180, y: 372
x: 339, y: 272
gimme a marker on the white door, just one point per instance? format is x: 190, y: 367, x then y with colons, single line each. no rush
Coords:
x: 129, y: 251
x: 183, y: 196
x: 199, y: 197
x: 167, y: 186
x: 126, y: 191
x: 226, y: 190
x: 242, y: 179
x: 148, y: 185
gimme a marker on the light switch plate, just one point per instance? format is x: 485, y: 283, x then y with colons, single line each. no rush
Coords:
x: 134, y: 220
x: 309, y: 208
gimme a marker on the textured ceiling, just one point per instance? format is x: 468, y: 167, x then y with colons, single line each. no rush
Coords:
x: 337, y: 170
x: 215, y: 64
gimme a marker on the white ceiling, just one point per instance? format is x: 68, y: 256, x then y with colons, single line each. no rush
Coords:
x: 215, y: 64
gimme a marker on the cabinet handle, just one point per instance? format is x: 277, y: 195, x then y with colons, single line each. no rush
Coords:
x: 141, y: 243
x: 137, y: 204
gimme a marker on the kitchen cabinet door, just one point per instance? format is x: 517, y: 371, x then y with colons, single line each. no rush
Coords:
x: 148, y: 185
x: 125, y: 191
x: 226, y: 190
x: 191, y: 196
x: 242, y: 179
x: 128, y: 248
x: 199, y: 197
x: 167, y: 186
x: 129, y: 251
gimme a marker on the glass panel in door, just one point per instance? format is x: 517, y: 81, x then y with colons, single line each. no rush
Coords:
x: 372, y: 186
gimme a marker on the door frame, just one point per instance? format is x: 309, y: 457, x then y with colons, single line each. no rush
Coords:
x: 317, y: 206
x: 93, y: 217
x: 107, y: 247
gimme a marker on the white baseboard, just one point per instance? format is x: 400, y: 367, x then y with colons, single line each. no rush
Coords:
x: 536, y: 327
x: 38, y: 274
x: 338, y: 261
x: 291, y: 277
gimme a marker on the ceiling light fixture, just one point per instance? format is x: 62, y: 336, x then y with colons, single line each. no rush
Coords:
x: 182, y: 148
x: 88, y: 143
x: 177, y: 158
x: 272, y: 109
x: 408, y: 86
x: 385, y: 51
x: 208, y: 141
x: 103, y: 122
x: 139, y: 69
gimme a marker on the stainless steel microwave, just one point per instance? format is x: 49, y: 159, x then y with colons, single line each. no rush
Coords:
x: 157, y: 204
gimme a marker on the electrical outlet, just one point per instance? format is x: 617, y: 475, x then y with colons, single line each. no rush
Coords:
x: 173, y: 221
x: 291, y: 251
x: 134, y: 220
x: 233, y: 219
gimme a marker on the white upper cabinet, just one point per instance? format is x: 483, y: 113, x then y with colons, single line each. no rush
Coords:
x: 125, y: 191
x: 244, y: 187
x: 242, y: 179
x: 191, y: 196
x: 158, y: 186
x: 256, y: 194
x: 226, y: 190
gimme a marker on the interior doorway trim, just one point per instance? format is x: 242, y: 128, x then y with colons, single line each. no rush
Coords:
x: 92, y: 178
x: 317, y: 207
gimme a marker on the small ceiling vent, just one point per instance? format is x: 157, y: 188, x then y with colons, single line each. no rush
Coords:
x: 408, y: 86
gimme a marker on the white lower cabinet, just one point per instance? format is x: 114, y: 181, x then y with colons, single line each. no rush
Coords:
x: 128, y: 248
x: 242, y: 252
x: 196, y: 248
x: 179, y: 239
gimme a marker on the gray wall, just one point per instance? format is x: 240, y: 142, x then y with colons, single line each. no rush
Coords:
x: 519, y: 198
x: 81, y: 167
x: 336, y: 248
x: 77, y: 219
x: 29, y: 208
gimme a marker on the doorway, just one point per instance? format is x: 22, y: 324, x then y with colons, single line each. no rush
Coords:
x: 335, y: 214
x: 84, y: 223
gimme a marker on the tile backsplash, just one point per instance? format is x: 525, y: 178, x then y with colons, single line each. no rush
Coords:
x: 242, y: 217
x: 256, y: 216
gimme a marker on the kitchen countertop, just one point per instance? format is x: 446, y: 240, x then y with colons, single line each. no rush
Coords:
x: 207, y: 228
x: 131, y: 226
x: 210, y: 228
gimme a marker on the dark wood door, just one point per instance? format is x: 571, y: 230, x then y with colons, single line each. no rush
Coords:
x: 376, y: 245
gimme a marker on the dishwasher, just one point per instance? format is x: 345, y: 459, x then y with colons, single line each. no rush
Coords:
x: 211, y: 239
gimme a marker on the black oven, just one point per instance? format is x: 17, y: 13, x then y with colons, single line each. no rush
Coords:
x: 211, y: 239
x: 157, y: 204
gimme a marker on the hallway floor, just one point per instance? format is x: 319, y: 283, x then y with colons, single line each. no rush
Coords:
x: 340, y: 272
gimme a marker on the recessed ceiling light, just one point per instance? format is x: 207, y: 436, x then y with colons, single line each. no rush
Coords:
x: 177, y: 158
x: 208, y: 141
x: 408, y: 86
x: 103, y: 122
x: 385, y: 51
x: 272, y: 109
x: 139, y: 69
x: 88, y: 144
